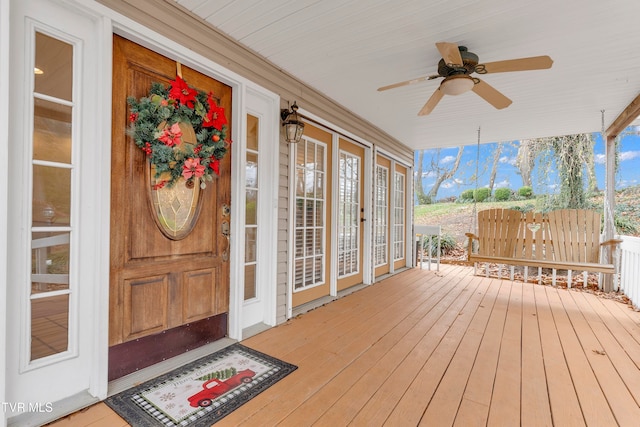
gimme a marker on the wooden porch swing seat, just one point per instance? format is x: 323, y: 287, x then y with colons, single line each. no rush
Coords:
x: 565, y: 239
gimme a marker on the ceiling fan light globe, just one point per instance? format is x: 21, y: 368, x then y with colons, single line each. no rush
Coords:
x: 456, y: 85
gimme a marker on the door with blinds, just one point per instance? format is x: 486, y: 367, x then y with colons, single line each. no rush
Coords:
x: 312, y: 215
x: 381, y: 209
x: 329, y: 215
x: 350, y: 214
x: 399, y: 212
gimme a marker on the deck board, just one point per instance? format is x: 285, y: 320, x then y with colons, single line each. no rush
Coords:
x: 382, y: 354
x: 474, y: 407
x: 593, y: 402
x: 563, y: 400
x: 624, y: 407
x: 535, y: 407
x: 446, y: 400
x: 508, y: 373
x: 447, y: 348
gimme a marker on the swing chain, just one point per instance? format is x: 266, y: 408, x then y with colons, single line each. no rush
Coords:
x: 473, y: 226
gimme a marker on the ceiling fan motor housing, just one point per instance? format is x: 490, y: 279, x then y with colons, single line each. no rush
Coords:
x: 469, y: 62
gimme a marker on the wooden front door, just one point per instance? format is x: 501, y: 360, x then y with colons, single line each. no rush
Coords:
x: 166, y: 296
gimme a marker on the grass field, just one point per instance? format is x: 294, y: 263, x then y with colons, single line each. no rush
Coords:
x: 457, y: 218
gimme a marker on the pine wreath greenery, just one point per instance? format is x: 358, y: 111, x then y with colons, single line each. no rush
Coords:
x: 155, y: 128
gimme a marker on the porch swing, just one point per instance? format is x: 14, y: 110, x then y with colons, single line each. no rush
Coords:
x: 564, y: 239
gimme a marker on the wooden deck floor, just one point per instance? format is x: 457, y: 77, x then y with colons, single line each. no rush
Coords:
x: 448, y: 348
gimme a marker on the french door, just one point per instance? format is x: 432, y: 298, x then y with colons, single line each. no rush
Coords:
x: 351, y: 217
x: 329, y: 215
x: 382, y: 209
x: 399, y: 212
x: 312, y: 215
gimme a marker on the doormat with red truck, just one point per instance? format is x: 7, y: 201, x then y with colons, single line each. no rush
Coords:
x: 202, y: 392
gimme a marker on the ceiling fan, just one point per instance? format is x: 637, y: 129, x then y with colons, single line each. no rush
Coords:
x: 457, y: 65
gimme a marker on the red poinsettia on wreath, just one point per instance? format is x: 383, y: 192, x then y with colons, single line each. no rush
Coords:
x: 159, y: 122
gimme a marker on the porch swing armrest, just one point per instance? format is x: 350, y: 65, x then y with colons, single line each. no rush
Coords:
x: 611, y: 242
x: 471, y: 238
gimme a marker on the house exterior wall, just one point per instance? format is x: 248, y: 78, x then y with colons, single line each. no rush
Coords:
x: 168, y: 19
x: 283, y: 233
x: 171, y: 20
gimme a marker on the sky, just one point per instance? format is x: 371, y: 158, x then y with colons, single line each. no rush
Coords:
x: 507, y: 175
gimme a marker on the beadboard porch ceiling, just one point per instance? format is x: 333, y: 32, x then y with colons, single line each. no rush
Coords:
x: 347, y: 49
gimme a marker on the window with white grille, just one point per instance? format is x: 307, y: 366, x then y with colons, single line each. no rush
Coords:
x: 349, y: 214
x: 398, y: 216
x: 381, y: 226
x: 310, y: 208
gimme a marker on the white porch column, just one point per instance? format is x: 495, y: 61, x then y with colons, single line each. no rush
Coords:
x: 609, y: 201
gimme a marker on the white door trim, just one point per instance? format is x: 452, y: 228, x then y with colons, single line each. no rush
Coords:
x: 266, y: 108
x: 4, y: 188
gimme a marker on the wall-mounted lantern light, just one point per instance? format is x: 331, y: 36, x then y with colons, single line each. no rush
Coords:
x: 293, y: 127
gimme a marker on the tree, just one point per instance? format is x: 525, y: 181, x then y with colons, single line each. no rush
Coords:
x: 571, y: 154
x: 419, y: 189
x: 526, y: 159
x: 494, y: 167
x: 441, y: 172
x: 592, y: 181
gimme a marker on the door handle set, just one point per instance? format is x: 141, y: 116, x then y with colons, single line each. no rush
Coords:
x: 224, y: 229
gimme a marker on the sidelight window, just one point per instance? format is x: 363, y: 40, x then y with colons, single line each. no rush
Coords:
x: 52, y: 177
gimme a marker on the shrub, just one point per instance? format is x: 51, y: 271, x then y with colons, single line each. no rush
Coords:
x: 524, y: 209
x: 525, y: 191
x: 624, y: 225
x: 450, y: 199
x: 481, y: 194
x: 447, y: 244
x: 467, y: 195
x: 424, y: 199
x: 502, y: 194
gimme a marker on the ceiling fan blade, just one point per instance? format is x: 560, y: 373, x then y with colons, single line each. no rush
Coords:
x: 522, y: 64
x: 450, y: 53
x: 491, y: 95
x: 431, y: 103
x: 405, y: 83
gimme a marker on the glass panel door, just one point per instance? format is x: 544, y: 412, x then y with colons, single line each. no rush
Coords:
x: 349, y: 214
x: 349, y: 222
x: 310, y: 205
x: 381, y: 228
x: 398, y: 216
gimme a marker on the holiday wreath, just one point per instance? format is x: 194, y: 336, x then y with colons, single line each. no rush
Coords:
x: 156, y: 122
